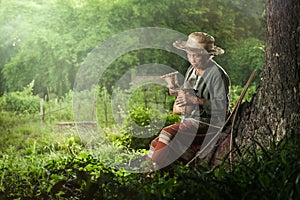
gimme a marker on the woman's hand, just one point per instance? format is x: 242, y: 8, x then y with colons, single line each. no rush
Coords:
x: 187, y: 98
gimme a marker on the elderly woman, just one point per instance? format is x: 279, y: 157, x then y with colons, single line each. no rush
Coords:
x: 204, y: 98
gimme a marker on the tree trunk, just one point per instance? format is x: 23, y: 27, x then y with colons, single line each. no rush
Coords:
x: 275, y: 110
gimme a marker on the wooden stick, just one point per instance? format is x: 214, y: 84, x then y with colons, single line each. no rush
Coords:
x: 235, y: 113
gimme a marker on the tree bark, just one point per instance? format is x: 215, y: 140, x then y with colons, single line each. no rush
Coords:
x: 275, y: 110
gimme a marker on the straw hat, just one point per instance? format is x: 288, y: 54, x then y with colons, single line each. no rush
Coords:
x: 199, y: 41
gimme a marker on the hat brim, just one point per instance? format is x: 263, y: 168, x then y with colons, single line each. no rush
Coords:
x: 182, y: 45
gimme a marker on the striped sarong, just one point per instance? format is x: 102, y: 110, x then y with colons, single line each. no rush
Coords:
x: 178, y: 142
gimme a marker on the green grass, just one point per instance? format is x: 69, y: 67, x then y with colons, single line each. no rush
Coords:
x: 46, y: 163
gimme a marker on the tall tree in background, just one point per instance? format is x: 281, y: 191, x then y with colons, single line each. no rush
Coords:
x: 275, y: 109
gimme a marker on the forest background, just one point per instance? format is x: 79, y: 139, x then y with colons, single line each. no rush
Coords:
x: 42, y: 46
x: 47, y: 41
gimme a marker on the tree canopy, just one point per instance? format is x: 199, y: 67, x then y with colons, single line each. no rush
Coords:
x: 46, y: 41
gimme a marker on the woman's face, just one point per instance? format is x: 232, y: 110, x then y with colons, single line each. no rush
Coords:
x: 197, y: 60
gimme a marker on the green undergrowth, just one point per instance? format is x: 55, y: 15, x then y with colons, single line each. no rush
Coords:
x: 38, y: 163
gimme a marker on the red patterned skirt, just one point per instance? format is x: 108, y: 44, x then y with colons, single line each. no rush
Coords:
x: 179, y: 142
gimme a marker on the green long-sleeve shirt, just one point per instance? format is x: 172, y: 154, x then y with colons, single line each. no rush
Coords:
x: 213, y: 86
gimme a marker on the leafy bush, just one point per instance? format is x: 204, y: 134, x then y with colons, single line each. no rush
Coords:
x: 243, y: 58
x: 143, y: 125
x: 8, y: 120
x: 142, y: 113
x: 235, y: 92
x: 21, y: 102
